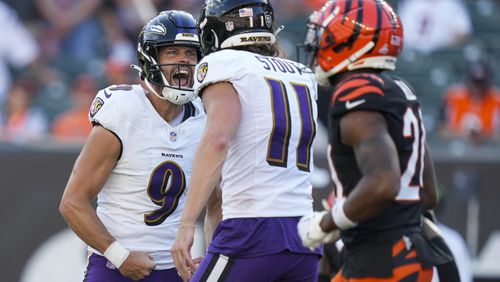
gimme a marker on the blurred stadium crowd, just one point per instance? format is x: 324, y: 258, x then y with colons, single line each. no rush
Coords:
x: 56, y: 54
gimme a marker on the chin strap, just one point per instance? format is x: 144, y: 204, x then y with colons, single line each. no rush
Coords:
x: 150, y: 87
x: 278, y: 30
x: 139, y: 70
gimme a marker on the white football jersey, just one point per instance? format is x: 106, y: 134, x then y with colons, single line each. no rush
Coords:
x: 269, y: 163
x: 141, y: 202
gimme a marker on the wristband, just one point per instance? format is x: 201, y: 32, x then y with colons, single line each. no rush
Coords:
x: 339, y: 217
x: 116, y: 254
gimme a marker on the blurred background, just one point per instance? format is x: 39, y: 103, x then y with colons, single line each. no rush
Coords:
x: 56, y: 54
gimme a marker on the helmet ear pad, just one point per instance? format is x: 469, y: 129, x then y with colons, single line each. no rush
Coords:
x: 155, y: 74
x: 154, y: 71
x: 210, y: 39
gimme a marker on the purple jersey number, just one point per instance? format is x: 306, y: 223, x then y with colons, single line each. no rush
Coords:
x: 277, y: 151
x: 166, y: 185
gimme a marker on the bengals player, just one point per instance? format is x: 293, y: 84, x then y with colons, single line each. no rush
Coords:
x: 380, y: 164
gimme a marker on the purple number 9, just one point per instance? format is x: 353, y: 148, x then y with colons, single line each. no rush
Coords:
x: 166, y: 185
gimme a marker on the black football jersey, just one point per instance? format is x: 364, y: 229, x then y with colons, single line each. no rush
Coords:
x: 395, y: 100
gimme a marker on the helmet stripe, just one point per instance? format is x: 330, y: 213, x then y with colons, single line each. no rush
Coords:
x: 357, y: 28
x: 180, y: 25
x: 392, y: 16
x: 347, y: 8
x: 379, y: 23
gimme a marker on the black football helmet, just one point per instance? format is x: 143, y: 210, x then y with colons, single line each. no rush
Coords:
x: 229, y: 23
x: 168, y: 28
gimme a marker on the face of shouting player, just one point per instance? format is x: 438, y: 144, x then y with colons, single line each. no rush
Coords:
x: 178, y: 64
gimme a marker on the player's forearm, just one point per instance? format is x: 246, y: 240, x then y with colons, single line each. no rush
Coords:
x: 213, y: 214
x: 371, y: 196
x: 212, y: 218
x: 82, y: 218
x: 367, y: 200
x: 379, y: 185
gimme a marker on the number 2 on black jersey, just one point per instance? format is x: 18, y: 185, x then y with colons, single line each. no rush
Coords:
x: 412, y: 176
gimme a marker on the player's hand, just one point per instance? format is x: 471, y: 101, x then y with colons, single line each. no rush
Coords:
x: 137, y: 265
x: 196, y: 262
x: 311, y: 233
x: 181, y: 252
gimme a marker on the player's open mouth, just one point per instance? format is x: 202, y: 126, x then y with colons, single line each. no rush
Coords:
x: 181, y: 78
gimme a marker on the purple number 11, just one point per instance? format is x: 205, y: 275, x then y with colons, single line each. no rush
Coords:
x: 277, y: 151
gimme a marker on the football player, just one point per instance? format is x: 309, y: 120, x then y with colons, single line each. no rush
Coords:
x: 380, y: 164
x: 138, y: 159
x: 261, y: 123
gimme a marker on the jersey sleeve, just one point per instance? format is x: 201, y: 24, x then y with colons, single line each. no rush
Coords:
x: 217, y: 67
x: 113, y: 109
x: 363, y: 92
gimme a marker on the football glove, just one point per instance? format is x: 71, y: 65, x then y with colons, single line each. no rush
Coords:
x: 311, y: 233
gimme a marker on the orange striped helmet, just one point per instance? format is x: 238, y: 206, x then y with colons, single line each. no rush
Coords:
x: 351, y: 34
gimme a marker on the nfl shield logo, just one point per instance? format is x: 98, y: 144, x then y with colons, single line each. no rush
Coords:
x: 173, y: 136
x: 269, y: 20
x: 229, y: 26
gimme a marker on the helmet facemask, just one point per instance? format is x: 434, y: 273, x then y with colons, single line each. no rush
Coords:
x: 311, y: 42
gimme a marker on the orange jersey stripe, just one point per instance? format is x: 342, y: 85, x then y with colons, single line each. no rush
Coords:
x: 358, y: 81
x: 362, y: 91
x: 352, y: 83
x: 411, y: 254
x: 398, y: 248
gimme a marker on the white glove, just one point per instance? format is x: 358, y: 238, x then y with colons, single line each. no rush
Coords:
x: 310, y: 232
